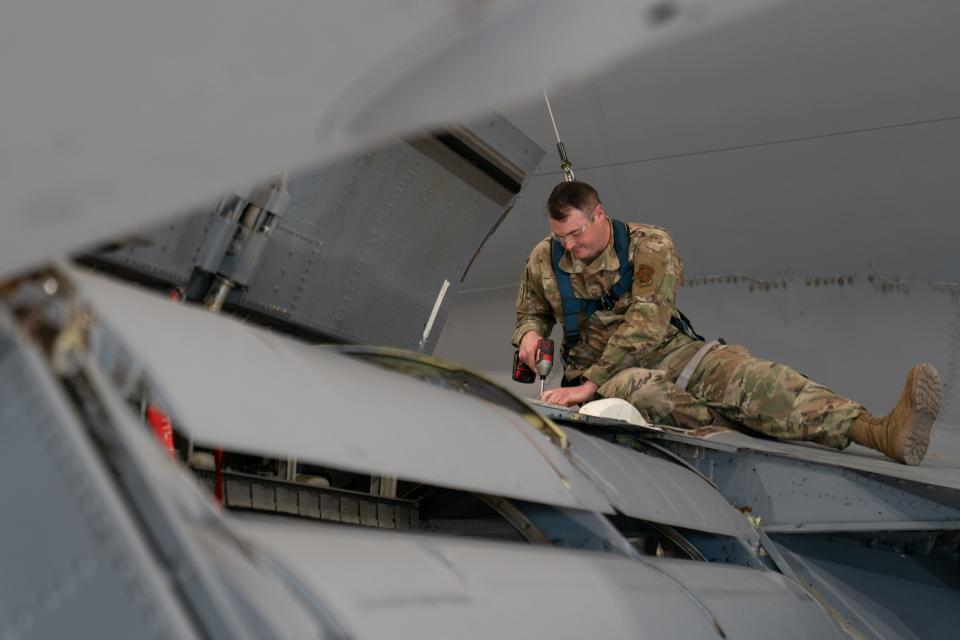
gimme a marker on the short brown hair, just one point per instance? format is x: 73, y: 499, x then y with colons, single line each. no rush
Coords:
x: 571, y: 195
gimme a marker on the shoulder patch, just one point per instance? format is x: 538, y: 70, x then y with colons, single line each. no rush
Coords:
x: 644, y: 274
x: 648, y: 270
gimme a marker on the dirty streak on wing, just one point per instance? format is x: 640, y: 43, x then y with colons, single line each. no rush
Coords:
x: 243, y: 388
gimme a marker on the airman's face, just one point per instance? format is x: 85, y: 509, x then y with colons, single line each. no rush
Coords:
x: 581, y: 234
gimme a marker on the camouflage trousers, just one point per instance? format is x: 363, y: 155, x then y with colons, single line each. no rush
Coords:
x: 731, y: 384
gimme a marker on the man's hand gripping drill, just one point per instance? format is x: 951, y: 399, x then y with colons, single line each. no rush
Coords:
x: 535, y: 355
x: 532, y: 356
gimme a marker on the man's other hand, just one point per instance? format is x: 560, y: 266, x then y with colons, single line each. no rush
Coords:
x: 568, y: 396
x: 528, y: 348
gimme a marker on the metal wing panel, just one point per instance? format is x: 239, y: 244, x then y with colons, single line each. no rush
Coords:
x: 169, y: 251
x: 370, y: 248
x: 752, y: 603
x: 882, y: 592
x: 382, y: 584
x: 934, y: 470
x: 366, y: 245
x: 795, y: 488
x: 651, y: 488
x: 243, y: 388
x: 74, y: 561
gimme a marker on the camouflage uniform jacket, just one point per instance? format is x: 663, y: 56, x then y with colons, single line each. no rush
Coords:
x: 636, y: 332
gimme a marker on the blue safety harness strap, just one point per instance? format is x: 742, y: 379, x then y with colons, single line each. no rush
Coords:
x: 572, y: 305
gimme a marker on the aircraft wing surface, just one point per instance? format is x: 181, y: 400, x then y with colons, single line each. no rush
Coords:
x: 240, y: 387
x: 651, y: 488
x: 470, y: 589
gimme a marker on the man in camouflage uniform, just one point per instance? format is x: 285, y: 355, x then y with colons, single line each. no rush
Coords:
x: 636, y: 350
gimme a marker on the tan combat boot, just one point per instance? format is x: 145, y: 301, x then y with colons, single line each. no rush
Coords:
x: 904, y: 433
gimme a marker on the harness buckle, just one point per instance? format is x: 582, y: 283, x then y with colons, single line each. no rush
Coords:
x: 607, y: 301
